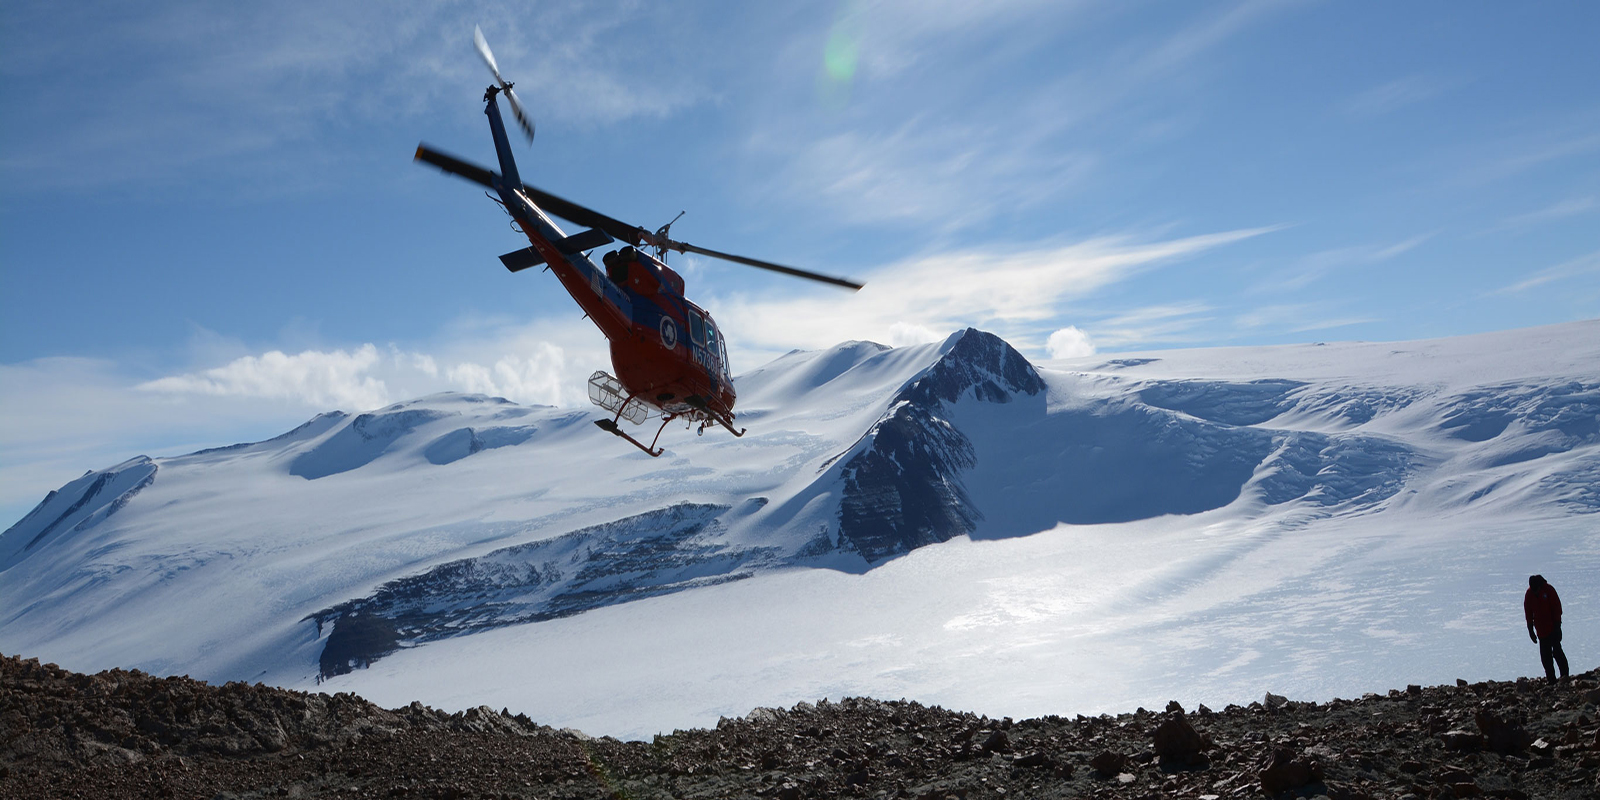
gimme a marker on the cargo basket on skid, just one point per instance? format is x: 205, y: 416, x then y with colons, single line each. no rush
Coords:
x: 607, y: 392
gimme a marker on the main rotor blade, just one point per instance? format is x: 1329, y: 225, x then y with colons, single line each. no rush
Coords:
x: 632, y: 234
x: 455, y: 166
x: 684, y: 247
x: 483, y: 50
x: 566, y: 209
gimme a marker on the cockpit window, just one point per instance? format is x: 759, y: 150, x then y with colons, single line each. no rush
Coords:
x: 697, y: 328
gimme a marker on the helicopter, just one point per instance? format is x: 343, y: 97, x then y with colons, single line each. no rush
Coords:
x: 671, y: 360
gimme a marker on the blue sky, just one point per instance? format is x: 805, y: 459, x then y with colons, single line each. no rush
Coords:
x: 211, y: 228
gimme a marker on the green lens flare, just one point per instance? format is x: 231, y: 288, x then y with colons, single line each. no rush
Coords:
x: 839, y: 57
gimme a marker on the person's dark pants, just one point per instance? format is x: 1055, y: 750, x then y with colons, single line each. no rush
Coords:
x: 1551, y: 654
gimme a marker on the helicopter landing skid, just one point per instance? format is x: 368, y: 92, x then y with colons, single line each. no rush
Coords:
x: 725, y: 422
x: 610, y: 426
x: 705, y: 412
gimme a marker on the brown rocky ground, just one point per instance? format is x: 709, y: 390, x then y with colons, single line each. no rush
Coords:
x: 121, y: 734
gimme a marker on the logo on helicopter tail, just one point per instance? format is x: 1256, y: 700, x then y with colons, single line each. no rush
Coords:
x: 669, y: 333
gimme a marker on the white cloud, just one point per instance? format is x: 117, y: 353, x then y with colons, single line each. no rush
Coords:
x: 930, y: 141
x: 904, y: 334
x: 1393, y: 95
x: 540, y: 377
x: 315, y: 378
x: 1012, y: 294
x: 1165, y: 323
x: 62, y: 416
x: 520, y: 363
x: 1069, y: 342
x: 231, y: 89
x: 1310, y: 268
x: 927, y: 172
x: 1295, y: 318
x: 1582, y: 265
x: 1570, y: 207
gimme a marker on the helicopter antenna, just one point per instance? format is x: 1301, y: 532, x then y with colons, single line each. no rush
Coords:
x: 661, y: 237
x: 504, y: 86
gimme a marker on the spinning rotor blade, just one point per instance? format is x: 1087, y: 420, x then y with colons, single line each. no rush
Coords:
x: 455, y: 166
x: 523, y: 119
x: 635, y: 235
x: 483, y: 50
x: 684, y: 247
x: 566, y: 209
x: 522, y: 116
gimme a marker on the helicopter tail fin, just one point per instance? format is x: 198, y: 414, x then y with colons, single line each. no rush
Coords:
x: 519, y: 260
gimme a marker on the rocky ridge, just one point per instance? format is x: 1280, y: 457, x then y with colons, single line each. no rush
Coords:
x: 129, y: 734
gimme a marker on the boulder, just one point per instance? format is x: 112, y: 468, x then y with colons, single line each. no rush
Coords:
x: 1500, y: 735
x: 1108, y: 763
x: 1287, y: 772
x: 1177, y: 740
x: 1462, y: 741
x: 1034, y: 759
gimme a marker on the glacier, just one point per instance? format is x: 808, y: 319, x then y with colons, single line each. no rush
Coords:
x: 945, y: 522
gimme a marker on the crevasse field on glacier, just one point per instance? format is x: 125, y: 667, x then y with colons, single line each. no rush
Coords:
x: 944, y: 523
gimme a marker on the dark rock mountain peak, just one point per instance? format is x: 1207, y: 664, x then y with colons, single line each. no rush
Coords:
x: 902, y: 486
x: 975, y: 361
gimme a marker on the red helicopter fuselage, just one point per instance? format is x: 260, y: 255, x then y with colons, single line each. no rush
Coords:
x: 669, y: 356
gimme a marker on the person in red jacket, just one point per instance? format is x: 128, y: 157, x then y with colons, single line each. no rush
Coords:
x: 1542, y: 606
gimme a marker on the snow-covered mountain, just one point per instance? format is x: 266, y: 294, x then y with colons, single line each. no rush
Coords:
x: 946, y: 522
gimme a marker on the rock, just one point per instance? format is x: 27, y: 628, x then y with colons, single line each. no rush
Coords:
x: 997, y: 742
x: 1414, y: 690
x: 1500, y: 735
x: 1177, y: 740
x: 762, y: 715
x: 1035, y: 759
x: 1462, y: 741
x: 1275, y: 700
x: 1174, y: 706
x: 1461, y: 684
x: 1541, y: 748
x: 1286, y: 772
x: 1108, y: 763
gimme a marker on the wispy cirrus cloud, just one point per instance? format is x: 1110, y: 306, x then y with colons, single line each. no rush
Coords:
x: 1310, y: 268
x: 1163, y: 323
x: 930, y: 142
x: 1570, y: 207
x: 1393, y: 95
x: 269, y: 91
x: 1586, y: 264
x: 1015, y: 294
x: 1296, y: 318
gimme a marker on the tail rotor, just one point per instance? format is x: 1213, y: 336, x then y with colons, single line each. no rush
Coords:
x: 517, y: 111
